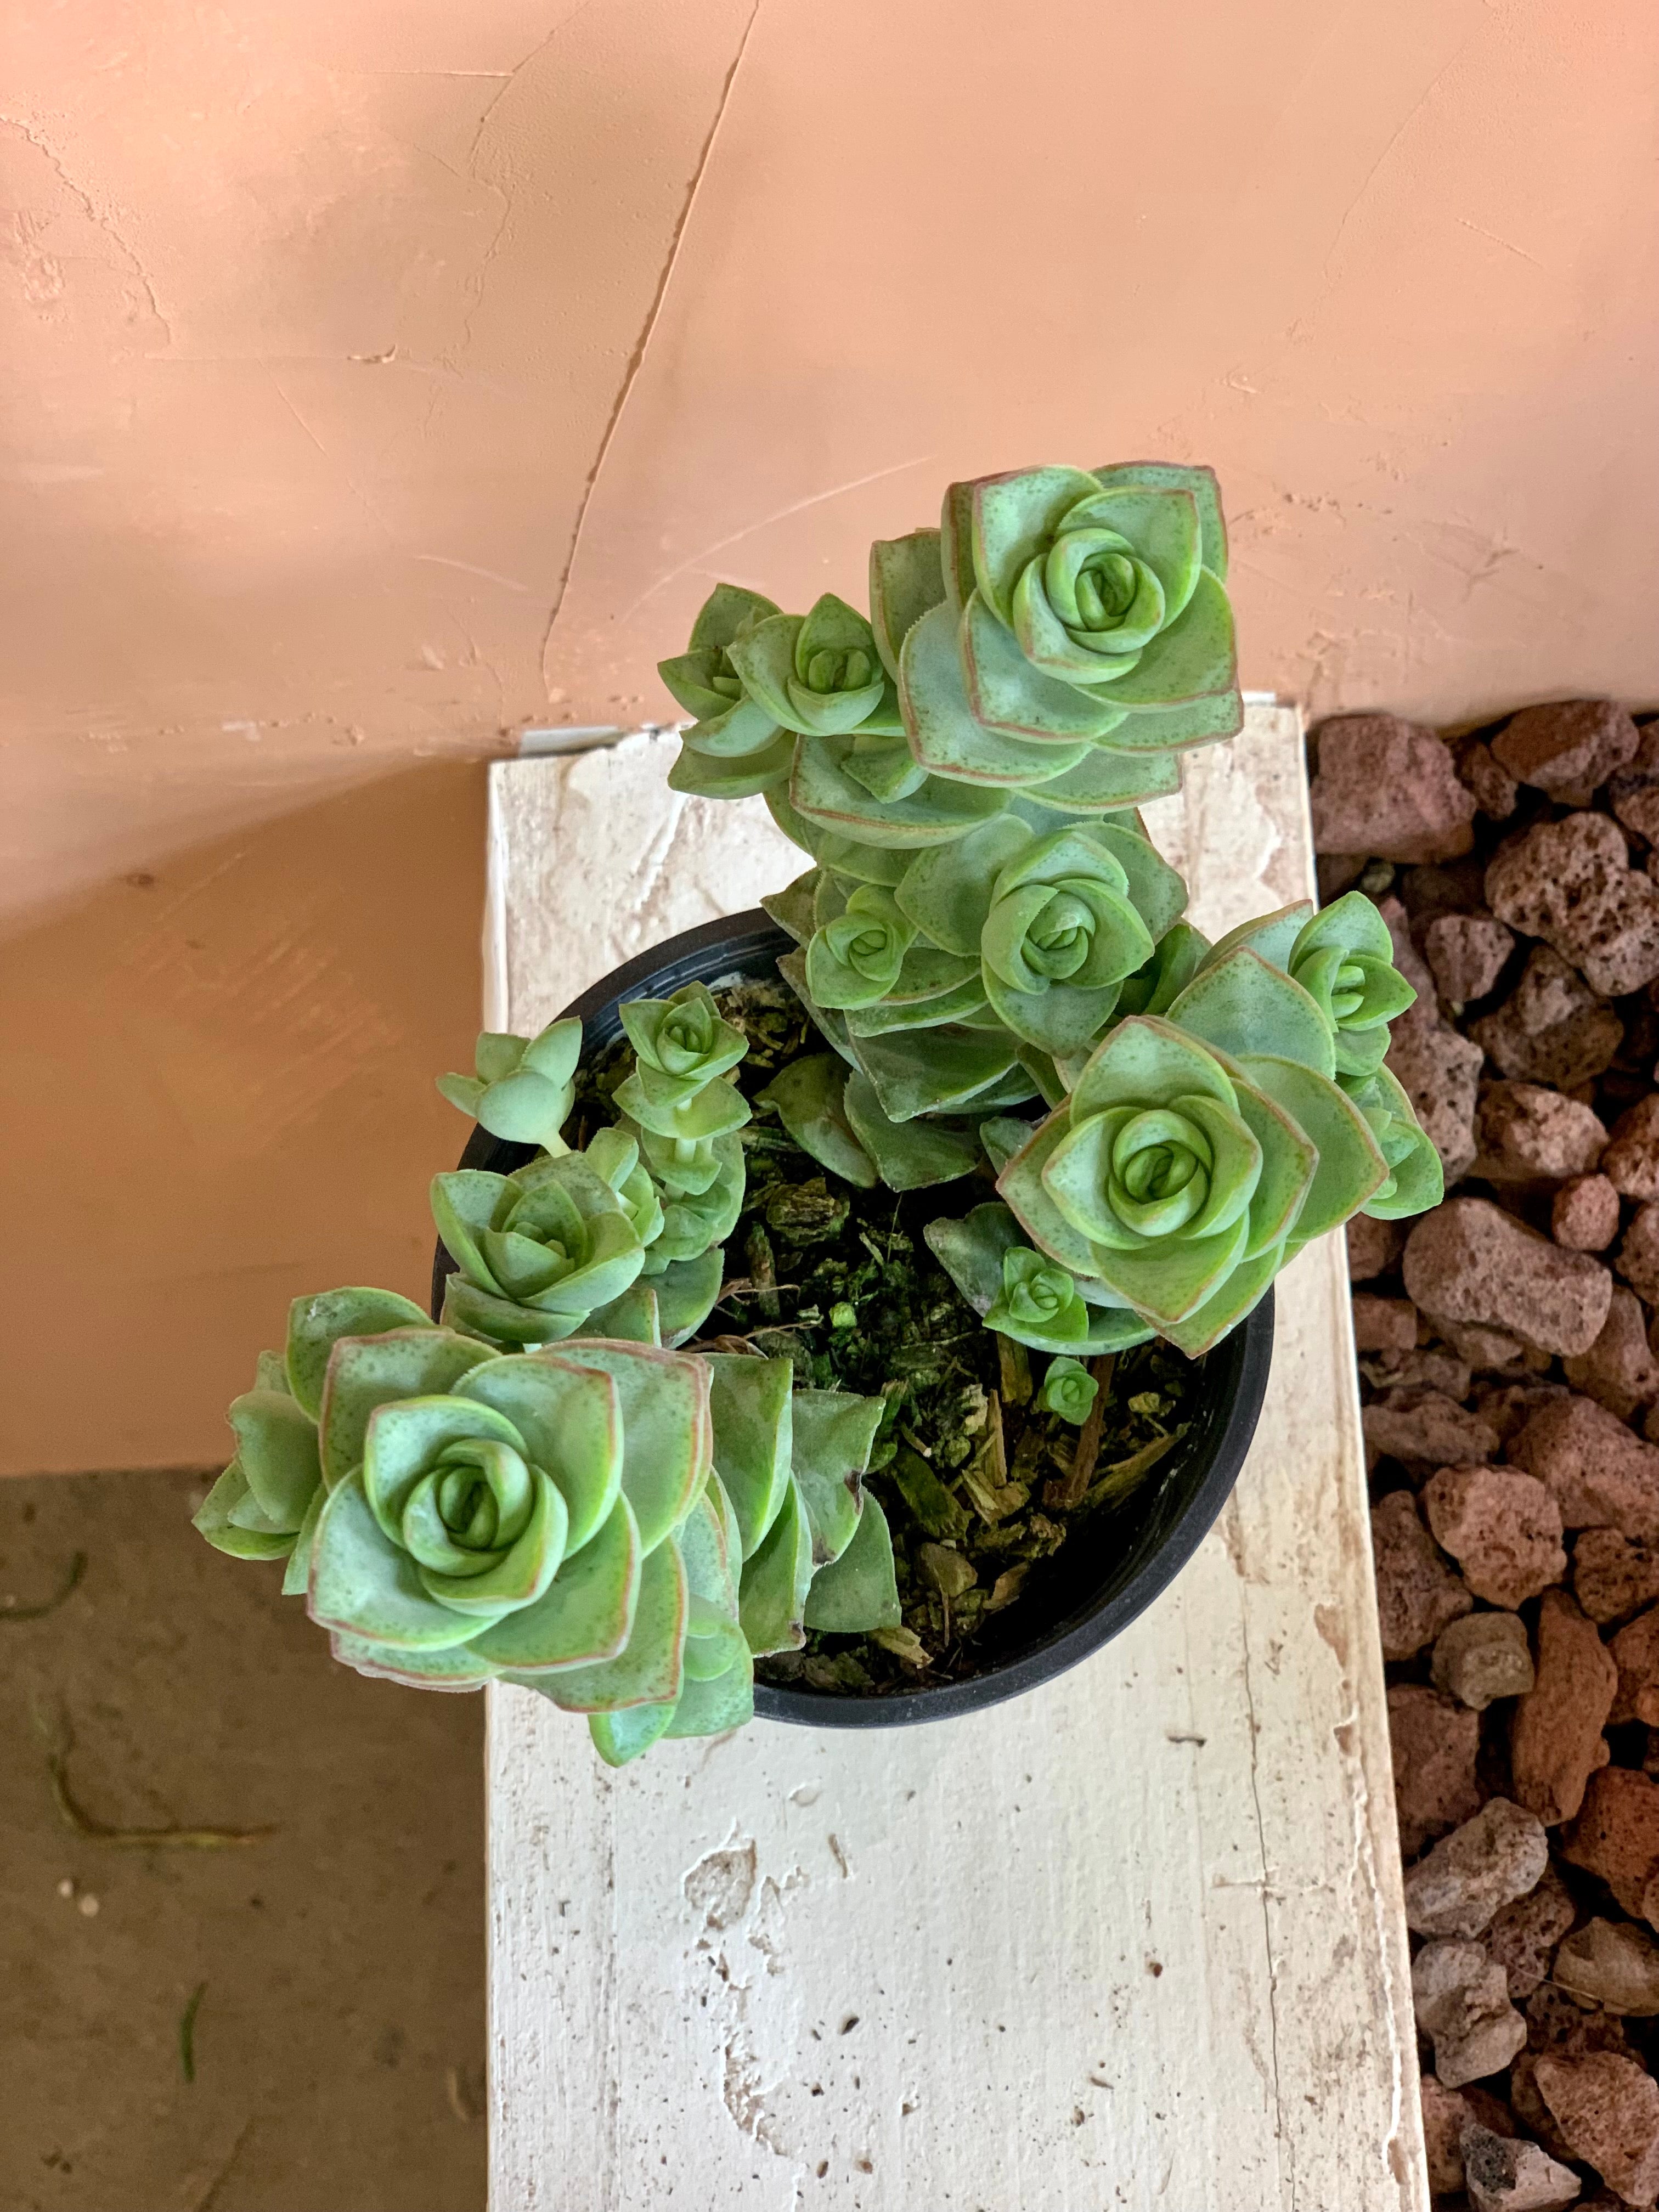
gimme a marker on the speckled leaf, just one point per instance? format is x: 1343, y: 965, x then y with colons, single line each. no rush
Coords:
x: 364, y: 1584
x: 1244, y: 1005
x: 586, y: 1614
x: 710, y: 1708
x: 907, y: 577
x: 277, y: 1446
x: 1350, y: 1165
x: 230, y: 1494
x: 647, y: 1670
x: 316, y: 1324
x: 364, y: 1372
x: 569, y: 1416
x: 809, y: 1102
x: 667, y: 1435
x: 909, y: 1155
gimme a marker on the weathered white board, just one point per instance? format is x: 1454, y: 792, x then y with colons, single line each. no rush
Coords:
x: 1133, y: 1940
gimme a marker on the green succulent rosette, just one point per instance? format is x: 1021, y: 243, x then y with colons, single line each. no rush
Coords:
x: 537, y: 1251
x: 1069, y: 1389
x: 1416, y: 1179
x: 270, y: 1490
x: 677, y: 1099
x: 1014, y: 944
x: 734, y: 747
x: 1343, y: 959
x: 521, y: 1087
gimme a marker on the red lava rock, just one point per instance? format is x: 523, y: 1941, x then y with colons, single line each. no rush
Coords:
x: 1612, y: 1575
x: 1493, y: 788
x: 1558, y: 2023
x: 1388, y: 787
x: 1607, y: 2110
x: 1571, y: 883
x: 1466, y: 953
x: 1552, y: 1027
x: 1374, y: 1247
x: 1455, y: 1888
x: 1524, y: 1130
x: 1417, y: 1593
x: 1522, y: 1937
x: 1634, y: 793
x: 1446, y: 2113
x: 1555, y: 1740
x: 1462, y: 2001
x: 1584, y: 1214
x: 1637, y: 1256
x: 1383, y: 1324
x: 1601, y: 1475
x: 1502, y: 1526
x: 1434, y: 1741
x: 1631, y: 1163
x: 1510, y: 1405
x: 1616, y: 1836
x: 1507, y: 2174
x: 1471, y: 1261
x: 1439, y: 1072
x: 1635, y: 1652
x: 1426, y: 1426
x: 1619, y: 1370
x: 1567, y: 749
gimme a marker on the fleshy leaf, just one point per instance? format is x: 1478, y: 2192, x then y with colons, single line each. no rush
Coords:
x: 634, y: 1318
x: 792, y: 907
x: 857, y: 1592
x: 1242, y: 1291
x: 701, y: 775
x: 212, y: 1520
x: 569, y: 1416
x: 1015, y: 517
x: 821, y: 791
x: 947, y: 893
x: 906, y: 579
x: 808, y: 1097
x: 622, y: 1736
x: 834, y: 1432
x: 933, y: 1071
x: 276, y: 1447
x: 647, y: 1670
x: 667, y: 1436
x: 750, y: 1400
x: 1244, y: 1005
x: 686, y: 1290
x: 943, y: 732
x: 1104, y: 783
x: 777, y: 1578
x: 1007, y: 694
x: 971, y: 1252
x: 907, y: 1155
x: 1193, y: 658
x: 1196, y: 480
x: 297, y: 1573
x: 713, y: 1707
x: 316, y: 1324
x: 586, y: 1615
x: 456, y: 1669
x: 1350, y: 1165
x: 1270, y: 936
x: 367, y: 1371
x: 1145, y: 1062
x: 364, y: 1584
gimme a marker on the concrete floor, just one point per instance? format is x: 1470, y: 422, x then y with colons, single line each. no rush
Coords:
x: 338, y: 2038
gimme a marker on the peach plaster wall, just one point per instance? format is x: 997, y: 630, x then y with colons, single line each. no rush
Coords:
x: 376, y: 377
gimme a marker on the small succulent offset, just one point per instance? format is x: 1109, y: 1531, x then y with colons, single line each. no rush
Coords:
x: 1069, y: 1389
x: 521, y: 1089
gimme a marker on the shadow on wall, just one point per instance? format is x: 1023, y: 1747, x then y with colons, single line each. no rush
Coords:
x: 219, y: 1094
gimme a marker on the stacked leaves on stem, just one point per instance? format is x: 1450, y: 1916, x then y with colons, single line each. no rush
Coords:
x: 620, y: 1527
x: 1199, y: 1148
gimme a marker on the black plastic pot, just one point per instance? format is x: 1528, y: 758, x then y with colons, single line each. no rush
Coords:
x: 1088, y: 1601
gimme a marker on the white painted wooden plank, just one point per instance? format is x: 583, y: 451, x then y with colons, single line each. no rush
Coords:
x: 1133, y: 1940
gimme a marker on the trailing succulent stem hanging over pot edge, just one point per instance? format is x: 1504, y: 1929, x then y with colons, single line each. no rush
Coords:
x: 548, y: 1487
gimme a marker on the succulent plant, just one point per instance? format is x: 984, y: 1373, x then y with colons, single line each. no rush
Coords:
x: 1069, y: 1389
x: 734, y: 747
x: 522, y: 1088
x: 537, y: 1251
x: 559, y: 1519
x: 1195, y: 1153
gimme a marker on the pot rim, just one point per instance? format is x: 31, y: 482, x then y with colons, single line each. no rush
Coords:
x: 728, y: 949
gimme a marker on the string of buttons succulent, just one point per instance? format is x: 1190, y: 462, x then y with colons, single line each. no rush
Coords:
x: 598, y: 1474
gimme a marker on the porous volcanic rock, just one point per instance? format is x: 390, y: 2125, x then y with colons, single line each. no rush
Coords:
x: 1522, y: 1937
x: 1556, y: 1741
x: 1465, y: 953
x: 1571, y: 883
x: 1619, y: 1370
x: 1435, y: 1741
x: 1525, y: 1130
x: 1552, y: 1027
x: 1462, y: 2001
x: 1585, y: 1213
x: 1616, y: 1836
x: 1601, y: 1475
x: 1611, y: 1964
x: 1481, y: 1657
x: 1502, y: 1526
x: 1387, y: 786
x: 1427, y: 1426
x: 1614, y: 1575
x: 1566, y: 749
x: 1631, y: 1163
x: 1473, y: 1263
x: 1607, y: 2110
x: 1455, y: 1888
x: 1417, y: 1593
